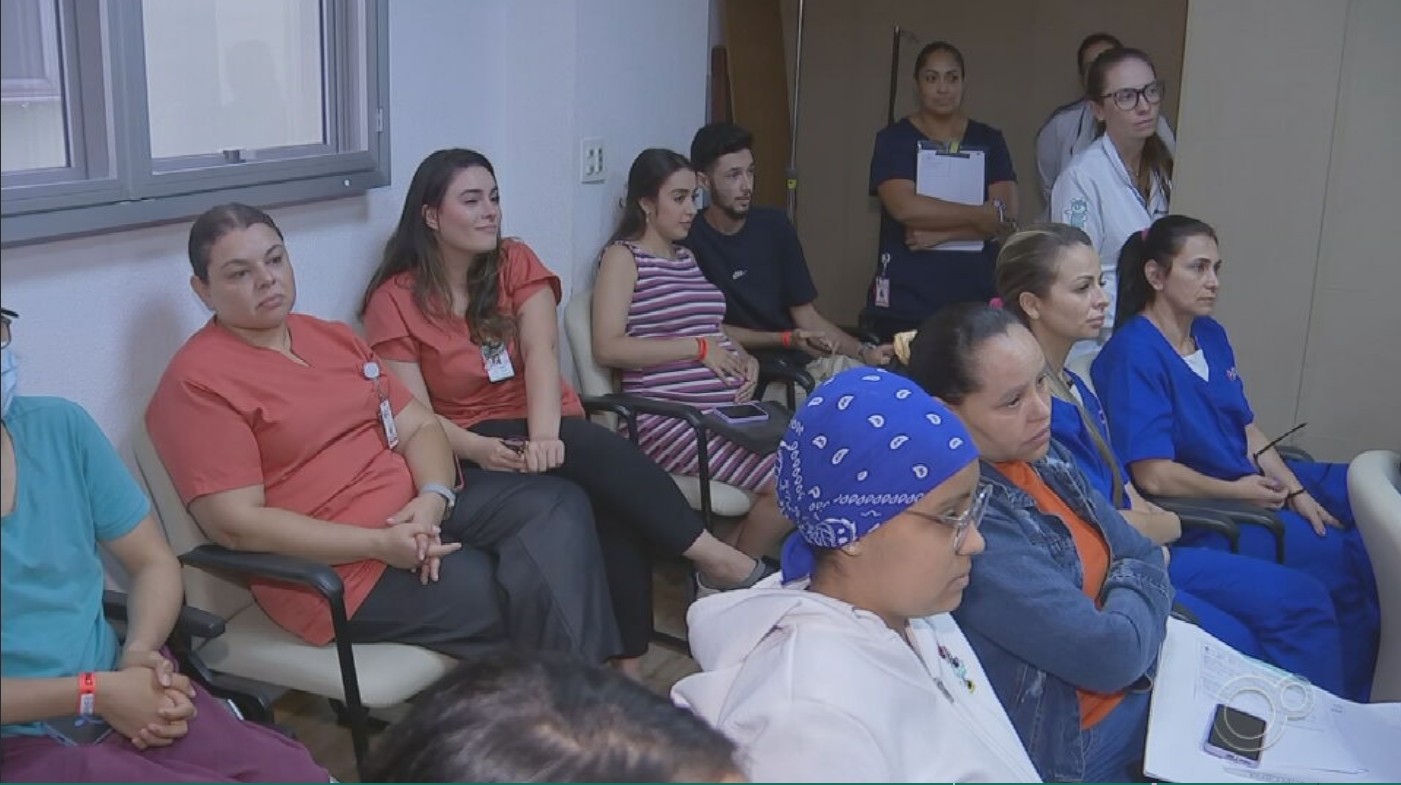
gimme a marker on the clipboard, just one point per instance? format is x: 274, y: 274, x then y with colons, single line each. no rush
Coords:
x: 954, y: 177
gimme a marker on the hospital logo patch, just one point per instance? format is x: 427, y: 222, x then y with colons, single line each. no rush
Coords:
x: 1078, y: 213
x: 1232, y: 374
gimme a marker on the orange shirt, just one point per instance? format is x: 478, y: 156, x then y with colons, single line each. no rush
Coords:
x: 1094, y: 562
x: 451, y: 361
x: 229, y: 415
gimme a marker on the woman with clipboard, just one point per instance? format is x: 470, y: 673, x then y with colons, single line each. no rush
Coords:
x: 913, y: 276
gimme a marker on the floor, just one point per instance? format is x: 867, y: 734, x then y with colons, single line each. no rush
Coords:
x: 313, y: 722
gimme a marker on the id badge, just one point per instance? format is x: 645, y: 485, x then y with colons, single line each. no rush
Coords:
x: 882, y: 292
x: 498, y: 362
x: 386, y: 420
x: 386, y: 412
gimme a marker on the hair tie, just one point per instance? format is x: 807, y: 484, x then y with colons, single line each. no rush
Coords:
x: 995, y: 302
x: 1143, y: 235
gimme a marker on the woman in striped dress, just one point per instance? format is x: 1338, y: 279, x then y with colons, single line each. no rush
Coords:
x: 658, y: 320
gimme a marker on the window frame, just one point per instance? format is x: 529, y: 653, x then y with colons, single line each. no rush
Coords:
x: 113, y: 184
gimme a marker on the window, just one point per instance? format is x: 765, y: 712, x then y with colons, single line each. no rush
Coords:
x: 117, y: 113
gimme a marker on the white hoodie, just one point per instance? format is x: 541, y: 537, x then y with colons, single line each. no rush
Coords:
x: 815, y: 690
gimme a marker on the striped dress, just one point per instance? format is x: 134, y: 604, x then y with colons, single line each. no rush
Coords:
x: 672, y: 299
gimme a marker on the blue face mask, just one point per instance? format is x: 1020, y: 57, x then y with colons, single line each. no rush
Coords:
x: 9, y: 379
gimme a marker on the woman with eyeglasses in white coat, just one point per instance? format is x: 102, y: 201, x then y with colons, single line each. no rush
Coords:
x: 1123, y: 182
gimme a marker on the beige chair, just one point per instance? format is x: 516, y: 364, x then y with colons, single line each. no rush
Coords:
x: 1374, y: 488
x: 711, y: 498
x: 359, y: 676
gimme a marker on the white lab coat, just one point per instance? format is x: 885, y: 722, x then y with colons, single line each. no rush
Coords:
x: 1096, y: 194
x: 1068, y: 131
x: 814, y: 690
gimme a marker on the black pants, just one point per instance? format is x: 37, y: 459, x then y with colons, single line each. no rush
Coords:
x: 885, y: 328
x: 529, y: 574
x: 637, y: 509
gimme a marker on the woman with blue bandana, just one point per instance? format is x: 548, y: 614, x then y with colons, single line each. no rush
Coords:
x: 848, y: 666
x: 1069, y: 612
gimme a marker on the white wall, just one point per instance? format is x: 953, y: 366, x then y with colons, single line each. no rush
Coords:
x: 520, y: 80
x: 1286, y: 145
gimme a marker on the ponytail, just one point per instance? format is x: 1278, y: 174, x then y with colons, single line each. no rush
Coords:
x: 1161, y: 242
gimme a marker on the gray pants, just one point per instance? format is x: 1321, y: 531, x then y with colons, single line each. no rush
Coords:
x: 529, y: 574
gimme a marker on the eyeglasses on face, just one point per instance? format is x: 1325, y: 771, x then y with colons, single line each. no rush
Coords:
x: 961, y: 523
x: 1127, y: 99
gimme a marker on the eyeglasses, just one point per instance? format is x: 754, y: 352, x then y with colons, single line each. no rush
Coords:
x: 1271, y: 445
x: 1127, y: 98
x: 961, y: 523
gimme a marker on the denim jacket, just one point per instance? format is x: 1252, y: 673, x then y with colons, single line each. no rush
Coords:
x: 1036, y: 633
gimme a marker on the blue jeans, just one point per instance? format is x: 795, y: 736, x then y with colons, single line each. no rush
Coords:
x: 1114, y: 746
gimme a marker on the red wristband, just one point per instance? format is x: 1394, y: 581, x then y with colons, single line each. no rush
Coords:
x: 786, y: 339
x: 702, y: 349
x: 87, y: 694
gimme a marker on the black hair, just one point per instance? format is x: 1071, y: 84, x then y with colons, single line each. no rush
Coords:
x: 217, y: 222
x: 1160, y: 242
x: 1089, y: 41
x: 1027, y: 262
x: 413, y: 247
x: 715, y: 140
x: 938, y: 46
x: 941, y: 357
x: 1156, y: 159
x: 649, y: 171
x: 547, y: 717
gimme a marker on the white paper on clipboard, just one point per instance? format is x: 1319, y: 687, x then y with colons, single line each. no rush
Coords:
x: 953, y: 177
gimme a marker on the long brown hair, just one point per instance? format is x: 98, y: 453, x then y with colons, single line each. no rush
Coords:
x: 1156, y: 158
x: 646, y: 176
x: 413, y: 247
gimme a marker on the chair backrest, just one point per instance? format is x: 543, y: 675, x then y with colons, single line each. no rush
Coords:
x: 220, y: 596
x: 1374, y: 488
x: 578, y: 329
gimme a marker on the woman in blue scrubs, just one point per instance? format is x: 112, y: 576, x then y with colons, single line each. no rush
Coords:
x: 1049, y: 277
x: 914, y: 277
x: 1179, y: 419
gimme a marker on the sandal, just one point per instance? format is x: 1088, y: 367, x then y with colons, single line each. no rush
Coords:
x: 700, y: 589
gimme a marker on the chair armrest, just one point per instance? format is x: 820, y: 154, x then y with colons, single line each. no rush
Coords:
x: 1212, y: 521
x: 247, y: 564
x: 595, y: 404
x: 192, y: 622
x: 1239, y: 512
x: 639, y: 404
x: 773, y: 369
x: 860, y: 334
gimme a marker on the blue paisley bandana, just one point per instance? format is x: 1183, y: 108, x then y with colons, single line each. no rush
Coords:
x: 866, y: 445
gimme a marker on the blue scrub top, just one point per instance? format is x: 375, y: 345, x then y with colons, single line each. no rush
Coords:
x: 1159, y: 408
x: 922, y: 282
x: 1068, y: 428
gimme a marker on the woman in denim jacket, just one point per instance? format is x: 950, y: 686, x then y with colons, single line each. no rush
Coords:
x: 1068, y: 608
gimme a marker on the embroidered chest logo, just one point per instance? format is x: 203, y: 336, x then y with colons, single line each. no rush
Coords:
x: 1078, y: 213
x: 738, y: 274
x: 1232, y: 375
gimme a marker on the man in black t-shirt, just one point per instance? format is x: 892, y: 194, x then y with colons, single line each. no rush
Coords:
x: 753, y: 255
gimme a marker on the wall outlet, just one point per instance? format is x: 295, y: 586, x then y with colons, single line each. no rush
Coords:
x: 591, y: 166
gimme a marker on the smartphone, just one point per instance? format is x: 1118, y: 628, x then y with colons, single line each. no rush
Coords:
x: 77, y: 731
x: 1235, y: 735
x: 742, y: 413
x: 516, y: 443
